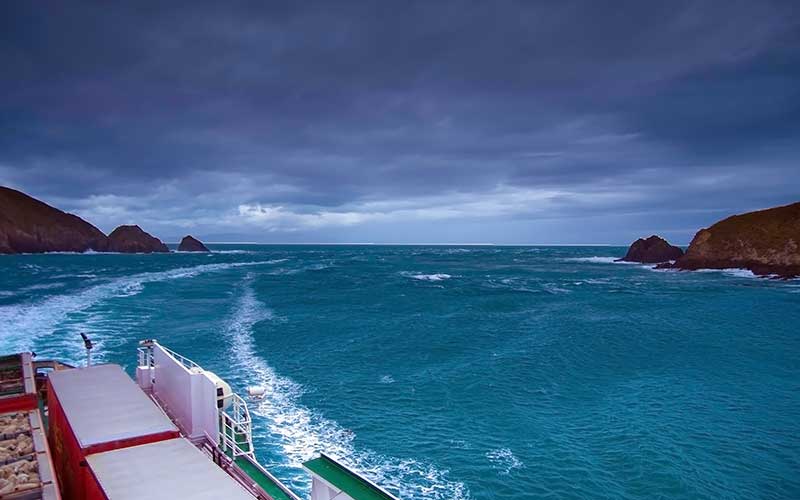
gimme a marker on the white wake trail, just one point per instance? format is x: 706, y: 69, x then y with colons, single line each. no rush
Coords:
x: 23, y: 326
x: 302, y: 433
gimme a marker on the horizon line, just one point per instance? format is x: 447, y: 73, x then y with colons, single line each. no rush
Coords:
x: 416, y: 244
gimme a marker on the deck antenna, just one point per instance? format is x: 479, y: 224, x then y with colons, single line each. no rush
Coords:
x: 88, y: 345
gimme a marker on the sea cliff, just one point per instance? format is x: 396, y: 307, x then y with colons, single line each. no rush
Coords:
x: 767, y: 242
x: 28, y: 225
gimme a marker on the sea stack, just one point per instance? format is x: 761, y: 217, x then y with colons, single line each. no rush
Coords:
x: 132, y: 239
x: 653, y: 250
x: 28, y: 225
x: 766, y: 242
x: 191, y: 244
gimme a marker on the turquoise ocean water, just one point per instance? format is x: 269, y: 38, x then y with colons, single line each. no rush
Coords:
x: 458, y: 372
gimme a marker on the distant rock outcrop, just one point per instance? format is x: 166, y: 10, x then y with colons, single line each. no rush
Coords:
x: 29, y: 226
x: 652, y: 250
x: 765, y: 242
x: 191, y: 244
x: 131, y: 239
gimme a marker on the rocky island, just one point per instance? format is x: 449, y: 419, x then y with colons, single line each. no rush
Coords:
x: 28, y: 225
x: 191, y: 244
x: 767, y: 242
x: 653, y: 250
x: 132, y: 239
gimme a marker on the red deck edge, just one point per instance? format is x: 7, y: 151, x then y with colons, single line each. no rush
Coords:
x: 127, y: 443
x: 23, y: 402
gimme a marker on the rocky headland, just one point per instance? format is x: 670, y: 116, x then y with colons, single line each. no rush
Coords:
x: 652, y: 250
x: 767, y: 242
x: 191, y: 244
x: 28, y: 225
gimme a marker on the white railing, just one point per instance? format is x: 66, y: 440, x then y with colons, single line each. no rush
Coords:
x: 145, y: 351
x: 236, y: 431
x: 235, y: 425
x: 231, y: 436
x: 145, y: 355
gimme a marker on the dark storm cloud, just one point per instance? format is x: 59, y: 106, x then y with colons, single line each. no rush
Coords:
x: 237, y: 117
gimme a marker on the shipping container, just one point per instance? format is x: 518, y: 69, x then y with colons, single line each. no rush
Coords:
x: 93, y: 410
x: 164, y: 470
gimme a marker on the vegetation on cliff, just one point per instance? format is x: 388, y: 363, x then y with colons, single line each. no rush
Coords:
x: 766, y: 242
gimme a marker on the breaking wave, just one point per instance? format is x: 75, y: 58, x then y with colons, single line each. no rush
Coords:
x: 599, y: 260
x: 302, y: 433
x: 43, y: 286
x: 735, y: 272
x: 232, y: 251
x: 427, y: 277
x: 504, y: 460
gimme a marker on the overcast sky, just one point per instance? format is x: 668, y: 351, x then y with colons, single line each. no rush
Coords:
x: 504, y: 122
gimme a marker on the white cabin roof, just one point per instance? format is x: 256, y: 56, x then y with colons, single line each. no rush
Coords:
x: 103, y: 404
x: 163, y: 470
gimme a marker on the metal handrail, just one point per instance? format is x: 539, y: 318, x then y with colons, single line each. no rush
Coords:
x: 146, y: 357
x: 235, y: 423
x: 236, y: 430
x: 145, y: 351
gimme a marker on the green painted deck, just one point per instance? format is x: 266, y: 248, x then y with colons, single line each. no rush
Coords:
x: 264, y: 481
x: 345, y: 480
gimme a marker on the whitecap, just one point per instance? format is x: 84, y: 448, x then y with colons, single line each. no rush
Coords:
x: 428, y: 277
x: 387, y: 379
x: 297, y: 270
x: 740, y: 273
x: 318, y: 267
x: 43, y: 286
x: 592, y: 281
x: 732, y: 271
x: 554, y: 289
x: 504, y: 460
x: 79, y: 275
x: 460, y: 444
x: 599, y: 260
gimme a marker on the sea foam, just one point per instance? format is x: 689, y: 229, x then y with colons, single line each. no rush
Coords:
x: 303, y: 433
x: 22, y: 325
x: 504, y: 460
x: 428, y: 277
x: 599, y: 260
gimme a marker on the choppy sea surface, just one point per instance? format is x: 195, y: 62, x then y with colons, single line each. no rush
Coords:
x: 447, y: 372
